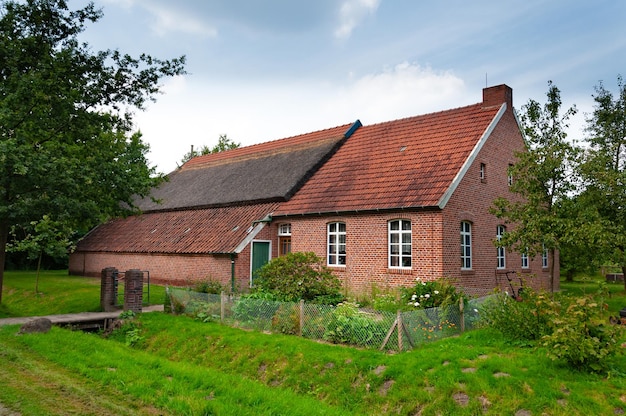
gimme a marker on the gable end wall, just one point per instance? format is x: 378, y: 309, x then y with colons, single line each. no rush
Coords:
x: 471, y: 202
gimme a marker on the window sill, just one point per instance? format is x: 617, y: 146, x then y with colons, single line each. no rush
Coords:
x: 398, y: 270
x: 467, y: 272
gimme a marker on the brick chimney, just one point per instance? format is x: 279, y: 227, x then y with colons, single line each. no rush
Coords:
x: 498, y: 95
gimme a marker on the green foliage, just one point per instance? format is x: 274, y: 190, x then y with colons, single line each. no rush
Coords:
x: 256, y: 305
x: 604, y: 171
x: 126, y: 329
x: 431, y: 294
x: 424, y: 294
x: 522, y: 321
x: 67, y: 146
x: 298, y: 276
x: 349, y: 325
x: 223, y: 143
x: 209, y: 286
x: 544, y: 216
x: 582, y: 338
x: 286, y: 320
x: 574, y: 329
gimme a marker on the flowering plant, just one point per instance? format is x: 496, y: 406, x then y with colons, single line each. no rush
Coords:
x: 430, y: 294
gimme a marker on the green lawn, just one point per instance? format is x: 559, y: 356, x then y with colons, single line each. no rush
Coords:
x: 174, y: 365
x: 58, y: 293
x: 615, y: 300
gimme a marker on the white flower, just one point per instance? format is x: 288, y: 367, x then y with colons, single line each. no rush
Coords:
x: 423, y: 283
x: 413, y: 297
x: 427, y: 295
x: 436, y: 292
x: 476, y: 310
x: 421, y: 296
x: 417, y: 304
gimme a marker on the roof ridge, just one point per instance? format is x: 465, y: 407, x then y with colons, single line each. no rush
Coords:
x: 272, y: 146
x: 432, y: 114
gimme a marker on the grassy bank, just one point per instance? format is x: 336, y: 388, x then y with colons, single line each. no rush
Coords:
x: 179, y: 366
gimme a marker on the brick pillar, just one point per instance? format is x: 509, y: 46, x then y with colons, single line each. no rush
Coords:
x: 108, y: 289
x: 133, y: 290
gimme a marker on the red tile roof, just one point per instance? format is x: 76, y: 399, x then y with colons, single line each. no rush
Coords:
x: 397, y: 164
x: 216, y: 230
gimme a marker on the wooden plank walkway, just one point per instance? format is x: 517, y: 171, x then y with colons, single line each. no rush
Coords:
x: 74, y: 318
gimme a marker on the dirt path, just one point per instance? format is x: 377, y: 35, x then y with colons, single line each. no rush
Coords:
x: 7, y: 412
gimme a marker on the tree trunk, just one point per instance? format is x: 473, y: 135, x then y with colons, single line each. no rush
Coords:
x: 624, y: 275
x: 569, y: 276
x: 4, y: 234
x: 38, y: 269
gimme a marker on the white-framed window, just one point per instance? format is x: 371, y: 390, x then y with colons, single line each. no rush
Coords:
x: 336, y: 244
x: 466, y: 245
x: 483, y: 171
x: 510, y: 174
x: 544, y: 257
x: 284, y: 239
x: 284, y: 229
x: 500, y: 251
x: 400, y: 246
x: 524, y: 261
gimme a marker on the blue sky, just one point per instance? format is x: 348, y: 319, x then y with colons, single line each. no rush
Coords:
x: 265, y: 70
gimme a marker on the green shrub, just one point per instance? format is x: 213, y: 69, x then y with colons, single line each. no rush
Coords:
x: 580, y: 339
x: 430, y: 294
x: 209, y: 286
x: 349, y: 325
x: 286, y: 320
x: 255, y: 306
x: 387, y: 302
x: 126, y: 329
x: 526, y: 320
x: 297, y: 276
x: 423, y: 295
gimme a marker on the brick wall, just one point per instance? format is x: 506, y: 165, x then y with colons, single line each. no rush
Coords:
x: 367, y: 247
x: 471, y: 202
x: 175, y: 270
x: 435, y: 234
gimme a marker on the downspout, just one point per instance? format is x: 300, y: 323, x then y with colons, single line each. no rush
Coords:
x: 232, y: 272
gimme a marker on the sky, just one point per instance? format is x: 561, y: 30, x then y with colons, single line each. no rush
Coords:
x: 261, y: 70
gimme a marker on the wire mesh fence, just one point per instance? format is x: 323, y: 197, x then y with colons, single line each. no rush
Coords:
x: 345, y: 323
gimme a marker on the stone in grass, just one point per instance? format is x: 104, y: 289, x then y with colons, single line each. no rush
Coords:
x: 38, y: 325
x: 461, y: 399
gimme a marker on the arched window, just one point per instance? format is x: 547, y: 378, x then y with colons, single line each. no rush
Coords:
x: 466, y: 245
x: 400, y: 246
x: 500, y: 251
x: 336, y: 244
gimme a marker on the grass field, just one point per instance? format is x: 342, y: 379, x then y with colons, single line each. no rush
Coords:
x: 180, y: 366
x: 58, y: 293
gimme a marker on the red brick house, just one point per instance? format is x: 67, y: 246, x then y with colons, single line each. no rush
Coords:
x: 383, y: 204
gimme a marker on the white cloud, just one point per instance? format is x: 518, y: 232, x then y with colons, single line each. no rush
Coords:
x: 168, y: 20
x: 351, y: 13
x: 404, y: 90
x: 194, y: 113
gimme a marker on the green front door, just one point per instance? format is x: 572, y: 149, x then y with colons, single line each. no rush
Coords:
x: 260, y: 256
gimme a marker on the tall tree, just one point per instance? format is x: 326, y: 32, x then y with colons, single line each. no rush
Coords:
x: 543, y: 180
x: 603, y: 169
x: 66, y: 144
